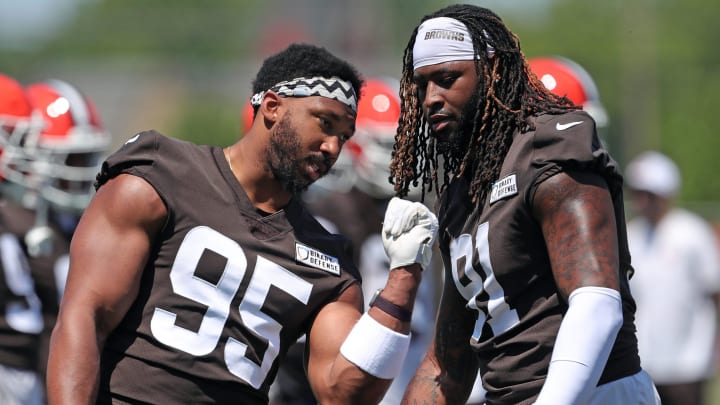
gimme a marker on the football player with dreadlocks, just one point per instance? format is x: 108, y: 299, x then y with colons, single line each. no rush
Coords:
x: 532, y: 229
x: 194, y: 268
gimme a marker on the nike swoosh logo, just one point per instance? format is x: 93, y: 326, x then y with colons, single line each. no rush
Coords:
x: 562, y: 127
x: 133, y: 139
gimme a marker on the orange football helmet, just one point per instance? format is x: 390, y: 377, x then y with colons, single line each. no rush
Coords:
x: 16, y: 112
x: 372, y: 145
x: 565, y: 77
x: 59, y: 158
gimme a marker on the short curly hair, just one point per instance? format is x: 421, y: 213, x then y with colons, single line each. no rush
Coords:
x: 304, y: 60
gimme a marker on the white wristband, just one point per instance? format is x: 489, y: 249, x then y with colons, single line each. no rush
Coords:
x: 586, y: 336
x: 375, y: 348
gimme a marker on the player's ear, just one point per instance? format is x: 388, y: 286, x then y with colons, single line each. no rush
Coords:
x: 269, y: 106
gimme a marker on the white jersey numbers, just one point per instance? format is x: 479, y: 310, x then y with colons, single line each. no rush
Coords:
x: 266, y: 274
x: 478, y: 287
x: 218, y: 298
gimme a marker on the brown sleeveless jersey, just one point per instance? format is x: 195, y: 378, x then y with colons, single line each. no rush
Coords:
x: 226, y: 290
x: 29, y: 290
x: 499, y: 261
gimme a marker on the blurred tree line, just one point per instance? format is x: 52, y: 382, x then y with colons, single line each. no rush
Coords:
x: 658, y: 70
x: 184, y: 66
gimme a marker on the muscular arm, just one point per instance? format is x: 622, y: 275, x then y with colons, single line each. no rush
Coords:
x: 354, y: 356
x: 334, y: 379
x: 578, y: 222
x: 577, y: 218
x: 447, y: 372
x: 107, y: 255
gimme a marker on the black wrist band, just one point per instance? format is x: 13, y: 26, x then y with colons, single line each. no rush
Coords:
x: 389, y: 308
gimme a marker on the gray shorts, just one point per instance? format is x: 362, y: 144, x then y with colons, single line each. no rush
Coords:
x: 637, y: 389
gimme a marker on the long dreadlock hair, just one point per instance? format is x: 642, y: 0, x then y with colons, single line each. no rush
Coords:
x: 509, y: 94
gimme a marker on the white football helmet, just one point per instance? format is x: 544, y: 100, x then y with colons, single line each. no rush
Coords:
x: 57, y: 159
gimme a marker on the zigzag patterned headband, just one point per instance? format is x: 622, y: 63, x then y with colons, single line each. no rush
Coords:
x: 333, y: 87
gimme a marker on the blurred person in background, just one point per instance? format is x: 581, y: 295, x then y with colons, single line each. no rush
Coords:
x: 21, y: 311
x: 51, y: 142
x: 195, y: 267
x: 676, y: 283
x: 66, y: 151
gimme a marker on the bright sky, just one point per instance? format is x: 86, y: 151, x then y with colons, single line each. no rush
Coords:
x: 24, y: 23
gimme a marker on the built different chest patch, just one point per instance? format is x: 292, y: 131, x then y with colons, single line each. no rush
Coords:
x: 315, y: 258
x: 504, y: 188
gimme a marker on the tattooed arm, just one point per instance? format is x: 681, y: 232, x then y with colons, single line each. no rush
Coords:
x: 447, y: 372
x: 578, y: 222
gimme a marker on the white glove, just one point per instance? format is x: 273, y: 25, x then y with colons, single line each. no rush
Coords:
x: 408, y: 233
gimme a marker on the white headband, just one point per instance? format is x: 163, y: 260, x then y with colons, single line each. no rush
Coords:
x: 444, y: 39
x: 333, y: 87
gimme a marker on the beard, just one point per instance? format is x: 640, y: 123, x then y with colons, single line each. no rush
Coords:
x: 455, y: 145
x: 282, y: 158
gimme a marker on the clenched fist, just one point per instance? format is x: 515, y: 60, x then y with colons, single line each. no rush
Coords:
x: 408, y: 233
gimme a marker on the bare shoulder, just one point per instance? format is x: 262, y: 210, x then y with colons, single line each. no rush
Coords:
x: 121, y: 221
x: 129, y: 197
